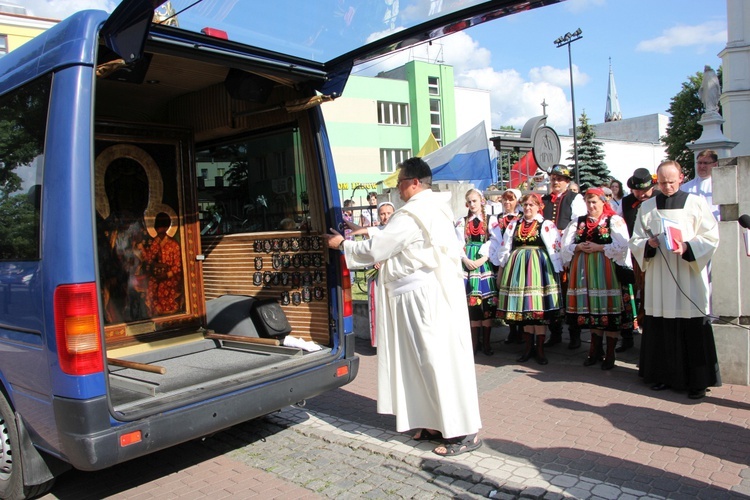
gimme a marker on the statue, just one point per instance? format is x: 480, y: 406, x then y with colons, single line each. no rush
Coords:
x: 710, y: 90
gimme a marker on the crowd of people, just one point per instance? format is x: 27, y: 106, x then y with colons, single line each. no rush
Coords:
x: 594, y: 260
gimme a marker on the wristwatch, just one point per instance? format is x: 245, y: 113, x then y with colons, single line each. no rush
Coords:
x: 341, y: 245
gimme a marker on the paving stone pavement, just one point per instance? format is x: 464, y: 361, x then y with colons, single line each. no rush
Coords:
x: 552, y: 432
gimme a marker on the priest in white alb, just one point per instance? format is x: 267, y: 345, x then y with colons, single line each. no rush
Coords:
x: 426, y: 371
x: 677, y: 349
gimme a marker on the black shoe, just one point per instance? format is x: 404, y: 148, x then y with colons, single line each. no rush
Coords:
x: 608, y: 364
x: 574, y: 343
x: 697, y: 394
x: 659, y: 387
x: 542, y: 360
x: 625, y: 344
x: 524, y: 358
x: 591, y: 360
x: 553, y: 340
x: 487, y: 351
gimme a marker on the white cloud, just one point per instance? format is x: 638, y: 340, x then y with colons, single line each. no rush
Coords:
x: 60, y: 9
x: 558, y: 76
x: 700, y: 36
x: 514, y: 98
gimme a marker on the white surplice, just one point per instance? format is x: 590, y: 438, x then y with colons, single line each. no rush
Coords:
x: 426, y: 369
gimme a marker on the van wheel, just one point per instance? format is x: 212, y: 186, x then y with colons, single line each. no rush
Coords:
x: 11, y: 470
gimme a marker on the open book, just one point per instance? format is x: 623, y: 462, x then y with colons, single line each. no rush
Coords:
x: 672, y: 232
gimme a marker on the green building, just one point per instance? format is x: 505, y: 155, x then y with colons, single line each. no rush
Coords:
x: 380, y: 121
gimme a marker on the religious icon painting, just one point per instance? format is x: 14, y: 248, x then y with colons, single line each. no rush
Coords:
x: 286, y: 261
x: 306, y: 294
x: 285, y: 278
x: 318, y: 260
x: 318, y: 276
x: 258, y: 246
x: 267, y: 277
x: 276, y: 261
x: 306, y: 259
x: 257, y: 278
x: 297, y: 260
x: 296, y: 298
x: 275, y: 279
x: 315, y: 243
x: 296, y: 280
x: 285, y: 298
x: 267, y: 246
x: 285, y: 245
x: 306, y: 279
x: 276, y: 244
x: 318, y: 293
x: 258, y: 263
x: 295, y: 244
x: 305, y: 243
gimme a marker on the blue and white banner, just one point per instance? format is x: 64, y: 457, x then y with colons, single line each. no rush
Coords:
x: 467, y: 158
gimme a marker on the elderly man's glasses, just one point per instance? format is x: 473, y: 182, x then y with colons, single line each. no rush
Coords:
x: 405, y: 179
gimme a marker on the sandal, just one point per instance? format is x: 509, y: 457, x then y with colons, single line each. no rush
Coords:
x: 459, y: 446
x: 427, y: 435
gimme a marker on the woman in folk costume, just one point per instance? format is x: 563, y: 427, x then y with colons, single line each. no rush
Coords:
x: 529, y: 292
x: 592, y: 246
x: 481, y: 292
x: 511, y: 211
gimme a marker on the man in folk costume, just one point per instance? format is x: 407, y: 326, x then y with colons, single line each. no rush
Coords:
x: 678, y: 347
x: 642, y: 186
x: 426, y: 371
x: 562, y: 206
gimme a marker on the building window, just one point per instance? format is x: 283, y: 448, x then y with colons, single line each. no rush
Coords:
x: 433, y: 85
x: 393, y: 113
x: 436, y: 121
x: 390, y: 158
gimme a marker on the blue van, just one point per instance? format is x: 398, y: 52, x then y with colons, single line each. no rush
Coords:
x: 164, y: 185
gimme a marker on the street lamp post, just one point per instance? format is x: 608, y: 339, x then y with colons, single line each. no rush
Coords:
x: 567, y: 39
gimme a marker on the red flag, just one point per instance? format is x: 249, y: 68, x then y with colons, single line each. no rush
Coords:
x: 523, y: 170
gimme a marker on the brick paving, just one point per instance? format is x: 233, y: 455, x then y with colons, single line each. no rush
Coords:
x: 583, y: 432
x: 555, y: 431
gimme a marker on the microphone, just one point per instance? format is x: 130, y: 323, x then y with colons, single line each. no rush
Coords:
x: 744, y: 221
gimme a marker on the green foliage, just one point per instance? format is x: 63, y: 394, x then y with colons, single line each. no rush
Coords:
x: 20, y: 238
x: 592, y: 170
x: 686, y: 109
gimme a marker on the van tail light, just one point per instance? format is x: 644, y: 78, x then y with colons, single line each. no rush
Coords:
x: 346, y: 287
x: 79, y: 346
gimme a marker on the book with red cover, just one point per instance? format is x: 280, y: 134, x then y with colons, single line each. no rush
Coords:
x: 672, y: 232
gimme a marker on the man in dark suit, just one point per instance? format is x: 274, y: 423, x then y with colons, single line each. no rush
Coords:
x: 642, y: 187
x: 562, y: 206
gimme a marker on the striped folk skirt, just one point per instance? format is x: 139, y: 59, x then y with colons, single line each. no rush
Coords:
x: 529, y: 292
x: 596, y: 298
x: 481, y: 288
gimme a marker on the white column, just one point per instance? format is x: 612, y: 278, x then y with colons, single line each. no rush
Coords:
x: 735, y: 98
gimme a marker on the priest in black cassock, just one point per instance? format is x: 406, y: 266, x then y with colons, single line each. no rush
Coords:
x: 677, y: 349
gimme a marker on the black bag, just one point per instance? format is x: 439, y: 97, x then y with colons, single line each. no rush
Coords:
x: 626, y: 275
x: 269, y: 319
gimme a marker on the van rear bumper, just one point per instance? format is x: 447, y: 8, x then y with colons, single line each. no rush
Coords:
x: 91, y: 441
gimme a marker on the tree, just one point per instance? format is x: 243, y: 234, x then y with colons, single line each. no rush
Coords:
x: 592, y: 171
x: 686, y: 109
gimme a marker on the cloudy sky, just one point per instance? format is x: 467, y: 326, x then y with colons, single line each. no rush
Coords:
x: 653, y: 45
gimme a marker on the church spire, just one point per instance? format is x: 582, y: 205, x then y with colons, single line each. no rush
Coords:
x: 612, y: 113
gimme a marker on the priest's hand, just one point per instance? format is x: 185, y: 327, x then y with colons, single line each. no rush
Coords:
x: 334, y: 240
x: 653, y: 241
x: 679, y: 247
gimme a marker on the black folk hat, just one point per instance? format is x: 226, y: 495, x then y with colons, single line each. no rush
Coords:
x: 641, y: 179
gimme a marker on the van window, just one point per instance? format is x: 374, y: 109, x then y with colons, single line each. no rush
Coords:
x: 22, y: 133
x: 253, y: 184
